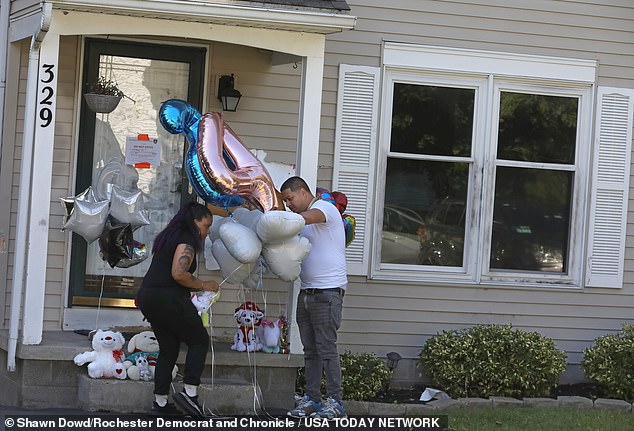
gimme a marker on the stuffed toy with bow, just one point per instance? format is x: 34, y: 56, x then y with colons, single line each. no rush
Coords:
x: 106, y: 358
x: 248, y: 316
x: 268, y: 335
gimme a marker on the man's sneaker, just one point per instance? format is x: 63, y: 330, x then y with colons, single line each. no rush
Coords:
x: 167, y: 410
x: 188, y: 405
x: 332, y: 409
x: 304, y: 408
x: 299, y: 399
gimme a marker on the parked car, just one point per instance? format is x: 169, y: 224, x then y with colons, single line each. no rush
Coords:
x: 400, y: 242
x: 523, y: 238
x: 442, y: 235
x: 528, y: 238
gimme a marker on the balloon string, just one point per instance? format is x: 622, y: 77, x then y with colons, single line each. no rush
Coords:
x: 103, y: 278
x: 232, y: 272
x: 211, y: 344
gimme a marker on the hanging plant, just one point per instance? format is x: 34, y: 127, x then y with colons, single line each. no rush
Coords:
x: 103, y: 96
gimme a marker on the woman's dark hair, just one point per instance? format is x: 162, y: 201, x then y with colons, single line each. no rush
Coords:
x: 183, y: 221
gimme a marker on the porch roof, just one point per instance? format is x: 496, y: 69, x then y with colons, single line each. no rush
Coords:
x: 318, y: 4
x: 311, y: 16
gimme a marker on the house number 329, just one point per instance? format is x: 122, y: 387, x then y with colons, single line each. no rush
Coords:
x: 46, y: 114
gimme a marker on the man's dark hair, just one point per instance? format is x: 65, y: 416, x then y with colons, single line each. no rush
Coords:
x: 295, y: 183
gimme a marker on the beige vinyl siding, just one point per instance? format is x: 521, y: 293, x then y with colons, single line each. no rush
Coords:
x: 597, y: 30
x: 266, y: 119
x: 11, y: 191
x: 55, y: 293
x: 380, y: 316
x: 267, y: 114
x: 61, y: 182
x: 23, y: 7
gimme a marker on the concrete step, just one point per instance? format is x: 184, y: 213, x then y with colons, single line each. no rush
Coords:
x: 221, y: 397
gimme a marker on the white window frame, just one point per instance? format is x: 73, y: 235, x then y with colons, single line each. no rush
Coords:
x: 489, y: 73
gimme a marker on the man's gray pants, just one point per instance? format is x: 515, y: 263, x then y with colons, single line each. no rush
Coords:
x: 319, y: 317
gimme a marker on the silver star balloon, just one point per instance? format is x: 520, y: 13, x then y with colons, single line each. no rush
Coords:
x: 127, y: 207
x: 68, y: 203
x: 88, y: 219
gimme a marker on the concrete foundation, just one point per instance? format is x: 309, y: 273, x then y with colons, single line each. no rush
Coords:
x: 46, y: 377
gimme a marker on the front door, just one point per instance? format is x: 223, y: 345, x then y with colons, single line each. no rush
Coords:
x: 147, y: 74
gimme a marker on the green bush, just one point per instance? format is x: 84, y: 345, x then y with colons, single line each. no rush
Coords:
x: 610, y: 362
x: 364, y: 375
x: 492, y: 360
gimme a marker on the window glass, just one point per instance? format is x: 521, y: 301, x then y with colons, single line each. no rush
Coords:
x: 537, y: 128
x: 432, y: 120
x: 426, y: 195
x: 148, y: 82
x: 531, y: 219
x: 147, y: 74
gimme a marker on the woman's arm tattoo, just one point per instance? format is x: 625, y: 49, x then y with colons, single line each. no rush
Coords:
x: 186, y: 258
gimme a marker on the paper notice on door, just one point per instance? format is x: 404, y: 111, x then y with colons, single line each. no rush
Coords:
x: 142, y: 152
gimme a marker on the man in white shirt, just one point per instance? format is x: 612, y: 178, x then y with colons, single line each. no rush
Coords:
x: 323, y: 285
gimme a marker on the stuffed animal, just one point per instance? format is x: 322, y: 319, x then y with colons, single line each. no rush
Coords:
x: 268, y: 334
x: 106, y: 359
x: 144, y: 368
x: 144, y: 344
x: 204, y: 300
x: 248, y: 316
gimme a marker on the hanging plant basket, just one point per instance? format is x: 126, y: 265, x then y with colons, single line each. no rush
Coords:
x: 102, y: 103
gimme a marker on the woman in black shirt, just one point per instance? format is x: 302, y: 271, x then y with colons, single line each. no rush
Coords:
x: 164, y: 299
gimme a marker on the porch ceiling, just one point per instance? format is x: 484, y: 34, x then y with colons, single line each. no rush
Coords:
x: 245, y: 14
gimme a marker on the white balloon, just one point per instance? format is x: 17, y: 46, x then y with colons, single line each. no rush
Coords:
x: 232, y: 270
x: 217, y: 221
x: 248, y: 218
x: 278, y: 226
x: 278, y: 172
x: 115, y: 173
x: 242, y: 242
x: 254, y: 280
x: 284, y: 259
x: 210, y: 261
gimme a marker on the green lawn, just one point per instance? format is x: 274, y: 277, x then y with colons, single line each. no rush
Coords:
x: 539, y: 419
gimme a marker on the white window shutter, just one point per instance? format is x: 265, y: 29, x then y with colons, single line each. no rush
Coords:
x: 355, y: 143
x: 611, y: 179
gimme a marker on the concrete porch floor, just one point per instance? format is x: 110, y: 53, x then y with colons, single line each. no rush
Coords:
x: 46, y: 377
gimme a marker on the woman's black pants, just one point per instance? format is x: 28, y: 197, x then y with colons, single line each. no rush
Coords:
x: 174, y: 319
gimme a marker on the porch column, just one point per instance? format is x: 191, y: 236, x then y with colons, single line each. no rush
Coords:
x: 309, y: 119
x: 307, y: 159
x: 40, y: 196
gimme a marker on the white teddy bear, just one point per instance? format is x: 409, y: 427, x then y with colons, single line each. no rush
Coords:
x: 106, y: 359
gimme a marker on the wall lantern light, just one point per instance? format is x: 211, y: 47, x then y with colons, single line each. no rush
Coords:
x: 228, y: 96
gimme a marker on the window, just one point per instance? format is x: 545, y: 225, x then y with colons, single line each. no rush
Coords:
x: 427, y: 171
x: 483, y: 168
